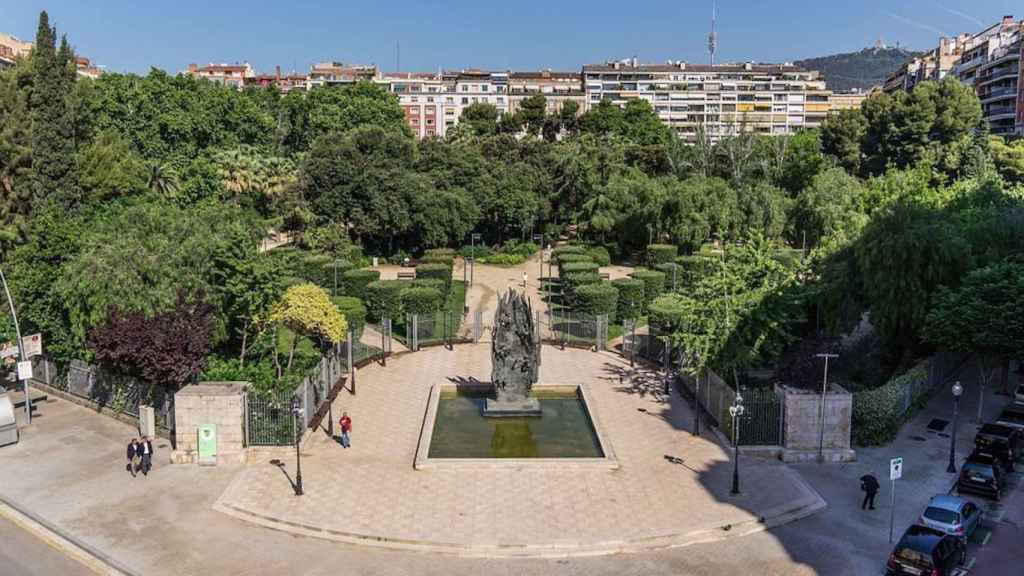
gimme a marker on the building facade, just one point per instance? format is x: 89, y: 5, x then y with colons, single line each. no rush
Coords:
x: 12, y: 48
x: 556, y: 87
x: 234, y: 75
x: 335, y: 73
x: 723, y: 99
x: 991, y: 63
x: 426, y: 99
x: 283, y: 82
x: 846, y: 101
x: 933, y: 65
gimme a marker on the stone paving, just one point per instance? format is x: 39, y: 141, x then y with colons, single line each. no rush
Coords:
x: 371, y: 495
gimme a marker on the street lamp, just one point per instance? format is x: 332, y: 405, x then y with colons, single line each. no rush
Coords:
x: 296, y: 413
x: 538, y: 239
x: 821, y: 411
x: 472, y: 259
x: 21, y: 348
x: 957, y: 391
x: 736, y: 410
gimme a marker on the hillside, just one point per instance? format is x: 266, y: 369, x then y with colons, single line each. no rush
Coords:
x: 863, y: 69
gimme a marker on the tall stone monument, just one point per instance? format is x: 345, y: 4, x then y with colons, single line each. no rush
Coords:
x: 515, y: 356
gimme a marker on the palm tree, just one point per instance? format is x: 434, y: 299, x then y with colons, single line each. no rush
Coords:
x: 162, y: 179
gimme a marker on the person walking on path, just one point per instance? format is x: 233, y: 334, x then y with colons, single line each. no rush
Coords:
x: 869, y: 484
x: 146, y: 449
x: 346, y: 429
x: 132, y: 455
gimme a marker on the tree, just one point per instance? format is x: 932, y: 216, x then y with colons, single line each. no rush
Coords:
x: 568, y: 116
x: 1008, y: 159
x: 343, y: 108
x: 109, y: 168
x: 482, y: 119
x: 161, y: 179
x: 831, y: 205
x: 841, y: 137
x: 802, y: 160
x: 533, y: 110
x: 16, y: 175
x: 53, y: 150
x: 983, y: 316
x: 307, y: 309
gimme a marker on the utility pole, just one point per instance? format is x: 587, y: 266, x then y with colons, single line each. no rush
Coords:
x: 821, y: 410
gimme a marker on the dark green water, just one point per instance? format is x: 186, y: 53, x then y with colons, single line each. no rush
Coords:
x: 563, y: 430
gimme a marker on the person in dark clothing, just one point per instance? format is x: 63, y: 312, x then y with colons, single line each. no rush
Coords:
x: 146, y: 450
x: 869, y: 484
x: 132, y: 447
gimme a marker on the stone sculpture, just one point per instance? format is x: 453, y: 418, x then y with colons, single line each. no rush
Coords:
x: 515, y: 356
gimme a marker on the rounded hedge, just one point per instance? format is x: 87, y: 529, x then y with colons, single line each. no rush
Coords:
x: 558, y: 251
x: 631, y: 297
x: 384, y: 299
x: 354, y: 312
x: 667, y: 269
x: 443, y: 252
x: 435, y: 283
x: 577, y: 267
x: 665, y: 313
x: 314, y: 268
x: 661, y: 253
x: 438, y: 271
x: 654, y: 284
x: 571, y: 282
x: 421, y: 300
x: 571, y: 258
x: 448, y: 261
x: 600, y: 255
x: 597, y: 299
x: 354, y: 282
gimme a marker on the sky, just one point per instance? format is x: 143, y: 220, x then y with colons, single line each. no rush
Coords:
x: 133, y: 36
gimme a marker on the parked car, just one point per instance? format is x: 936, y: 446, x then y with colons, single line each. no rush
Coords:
x: 982, y: 474
x: 1012, y: 415
x: 951, y: 515
x: 1018, y: 396
x: 1003, y: 442
x: 924, y: 551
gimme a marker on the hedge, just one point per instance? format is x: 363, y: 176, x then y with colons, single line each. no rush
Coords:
x: 572, y: 257
x: 421, y: 300
x: 441, y: 272
x: 478, y: 251
x: 654, y: 284
x: 661, y: 254
x: 600, y: 255
x: 384, y: 299
x: 696, y: 266
x: 335, y: 269
x: 665, y: 313
x: 558, y: 251
x: 354, y: 282
x: 435, y: 283
x: 577, y: 267
x: 503, y: 259
x: 597, y: 299
x: 667, y: 269
x: 631, y: 297
x: 443, y: 252
x: 314, y: 268
x: 354, y: 312
x: 878, y: 413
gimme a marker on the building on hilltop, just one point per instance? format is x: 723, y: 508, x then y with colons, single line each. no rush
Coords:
x: 233, y: 75
x: 12, y: 48
x: 723, y: 98
x: 87, y: 69
x: 283, y: 82
x: 991, y: 63
x: 334, y: 73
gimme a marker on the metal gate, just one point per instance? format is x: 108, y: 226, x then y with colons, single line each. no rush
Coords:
x: 763, y: 417
x: 268, y: 419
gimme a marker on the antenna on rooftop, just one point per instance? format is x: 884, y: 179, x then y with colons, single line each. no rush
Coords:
x: 713, y: 36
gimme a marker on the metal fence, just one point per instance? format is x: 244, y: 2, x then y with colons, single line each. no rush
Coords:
x: 578, y: 329
x: 426, y: 329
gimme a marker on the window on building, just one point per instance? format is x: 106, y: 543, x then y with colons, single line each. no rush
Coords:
x: 466, y: 100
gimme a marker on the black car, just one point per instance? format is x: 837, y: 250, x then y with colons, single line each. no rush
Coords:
x: 923, y: 551
x: 1003, y: 442
x: 983, y: 474
x: 1012, y: 416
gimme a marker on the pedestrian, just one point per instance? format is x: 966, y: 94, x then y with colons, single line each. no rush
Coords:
x: 146, y: 449
x: 132, y: 446
x: 346, y: 430
x: 869, y: 484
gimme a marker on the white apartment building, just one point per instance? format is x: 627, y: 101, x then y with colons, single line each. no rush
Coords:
x: 725, y: 98
x: 334, y: 73
x: 991, y: 63
x: 556, y: 87
x: 933, y: 65
x: 233, y: 75
x: 426, y: 99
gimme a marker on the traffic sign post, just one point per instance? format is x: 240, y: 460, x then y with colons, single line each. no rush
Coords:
x: 895, y: 473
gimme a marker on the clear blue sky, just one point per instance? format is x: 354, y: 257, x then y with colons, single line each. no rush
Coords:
x: 520, y: 34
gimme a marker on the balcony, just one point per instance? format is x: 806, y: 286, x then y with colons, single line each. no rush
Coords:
x: 998, y: 94
x: 996, y: 74
x: 999, y: 112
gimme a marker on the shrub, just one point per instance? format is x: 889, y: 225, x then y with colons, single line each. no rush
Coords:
x: 878, y: 413
x: 503, y: 259
x: 442, y: 252
x: 576, y: 267
x: 335, y: 271
x: 354, y: 312
x: 665, y: 313
x: 694, y: 267
x: 571, y: 257
x: 314, y: 268
x: 654, y: 284
x: 568, y: 249
x: 661, y: 254
x: 524, y: 249
x: 600, y: 298
x: 668, y: 269
x: 631, y: 297
x: 600, y: 255
x: 355, y: 282
x: 435, y: 283
x: 480, y: 251
x: 441, y: 272
x: 384, y: 299
x: 571, y: 282
x: 421, y: 300
x: 448, y: 261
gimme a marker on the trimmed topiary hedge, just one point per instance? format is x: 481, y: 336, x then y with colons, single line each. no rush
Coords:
x: 355, y: 281
x: 597, y: 299
x: 421, y: 300
x: 654, y: 284
x: 661, y: 254
x: 438, y: 271
x: 335, y: 270
x: 695, y: 266
x: 600, y: 255
x: 443, y: 252
x: 384, y: 299
x: 878, y: 413
x: 665, y: 313
x: 314, y: 268
x: 577, y: 267
x: 354, y: 312
x: 667, y: 269
x: 570, y: 282
x: 558, y: 251
x: 572, y: 257
x: 435, y: 283
x: 631, y: 297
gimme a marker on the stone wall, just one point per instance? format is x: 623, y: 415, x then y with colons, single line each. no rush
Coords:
x: 219, y: 403
x: 803, y: 424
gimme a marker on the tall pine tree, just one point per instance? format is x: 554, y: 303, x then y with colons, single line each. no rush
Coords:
x: 53, y: 147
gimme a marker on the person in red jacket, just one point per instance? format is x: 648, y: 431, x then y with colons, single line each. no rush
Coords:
x: 346, y: 430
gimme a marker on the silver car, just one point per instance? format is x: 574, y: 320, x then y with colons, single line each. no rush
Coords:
x: 952, y: 515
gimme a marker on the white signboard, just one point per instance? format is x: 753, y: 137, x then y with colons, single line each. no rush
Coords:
x: 25, y: 370
x: 895, y: 468
x: 33, y: 345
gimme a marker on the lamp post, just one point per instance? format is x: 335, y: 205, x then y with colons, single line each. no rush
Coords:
x: 650, y: 234
x: 472, y: 259
x: 736, y: 410
x: 21, y: 347
x: 821, y: 410
x: 538, y: 239
x: 296, y: 412
x: 957, y: 391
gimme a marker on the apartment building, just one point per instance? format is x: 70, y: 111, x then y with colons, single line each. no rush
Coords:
x: 233, y: 75
x: 335, y: 73
x: 283, y: 82
x: 991, y: 63
x: 12, y: 48
x: 556, y: 87
x: 424, y: 97
x: 723, y: 98
x: 933, y: 65
x: 846, y: 101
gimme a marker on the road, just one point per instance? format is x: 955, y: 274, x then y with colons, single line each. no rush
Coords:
x: 23, y: 554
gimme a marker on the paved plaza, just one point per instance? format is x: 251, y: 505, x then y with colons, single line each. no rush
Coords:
x: 371, y: 495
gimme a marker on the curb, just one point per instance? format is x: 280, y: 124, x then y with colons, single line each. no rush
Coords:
x: 63, y: 542
x: 811, y: 503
